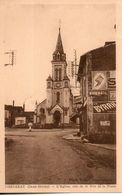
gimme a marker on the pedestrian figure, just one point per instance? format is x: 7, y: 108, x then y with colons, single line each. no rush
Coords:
x: 30, y: 126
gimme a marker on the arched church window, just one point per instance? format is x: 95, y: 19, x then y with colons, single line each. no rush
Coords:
x: 56, y: 74
x: 66, y: 84
x: 48, y: 84
x: 63, y: 56
x: 58, y: 97
x: 42, y: 111
x: 60, y: 74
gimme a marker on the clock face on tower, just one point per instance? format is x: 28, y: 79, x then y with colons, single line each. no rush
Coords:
x: 58, y: 84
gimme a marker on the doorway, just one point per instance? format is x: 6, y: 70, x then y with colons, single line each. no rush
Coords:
x: 57, y: 119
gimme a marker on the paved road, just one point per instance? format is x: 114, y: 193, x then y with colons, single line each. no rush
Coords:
x: 44, y: 157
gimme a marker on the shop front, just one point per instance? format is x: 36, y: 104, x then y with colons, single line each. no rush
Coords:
x: 101, y: 112
x: 104, y: 121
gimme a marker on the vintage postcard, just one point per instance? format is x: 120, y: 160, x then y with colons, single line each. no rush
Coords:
x: 60, y: 96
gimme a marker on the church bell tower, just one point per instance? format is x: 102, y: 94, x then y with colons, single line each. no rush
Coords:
x: 58, y: 88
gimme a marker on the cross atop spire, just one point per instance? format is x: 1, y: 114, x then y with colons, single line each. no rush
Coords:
x: 59, y: 24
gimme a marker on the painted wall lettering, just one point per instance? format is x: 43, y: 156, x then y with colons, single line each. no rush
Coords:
x: 107, y: 107
x: 111, y: 83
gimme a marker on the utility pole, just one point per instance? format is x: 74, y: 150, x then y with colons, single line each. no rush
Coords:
x: 75, y: 68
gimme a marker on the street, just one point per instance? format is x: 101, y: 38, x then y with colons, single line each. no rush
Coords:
x: 44, y: 157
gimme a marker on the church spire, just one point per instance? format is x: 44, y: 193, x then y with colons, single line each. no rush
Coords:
x: 59, y: 45
x: 59, y: 54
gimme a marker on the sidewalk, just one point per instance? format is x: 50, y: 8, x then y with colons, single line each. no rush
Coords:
x: 105, y: 146
x: 105, y: 152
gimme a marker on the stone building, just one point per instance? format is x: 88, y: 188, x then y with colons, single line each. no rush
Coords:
x: 11, y: 111
x: 16, y: 116
x: 97, y: 77
x: 59, y: 96
x: 22, y: 119
x: 40, y: 115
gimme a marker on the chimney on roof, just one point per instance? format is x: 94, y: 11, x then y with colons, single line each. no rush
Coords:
x: 13, y: 103
x: 24, y: 107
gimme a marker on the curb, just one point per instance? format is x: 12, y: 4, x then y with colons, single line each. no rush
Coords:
x: 102, y: 146
x: 71, y: 137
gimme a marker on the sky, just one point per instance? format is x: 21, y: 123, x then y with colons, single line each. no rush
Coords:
x: 31, y: 30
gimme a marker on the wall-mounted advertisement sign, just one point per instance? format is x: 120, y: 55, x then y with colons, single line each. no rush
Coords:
x: 105, y: 123
x: 112, y: 80
x: 99, y: 95
x: 112, y: 95
x: 99, y: 80
x: 97, y: 92
x: 111, y: 83
x: 104, y: 107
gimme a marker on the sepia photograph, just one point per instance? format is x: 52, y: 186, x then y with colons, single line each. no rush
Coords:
x: 59, y: 69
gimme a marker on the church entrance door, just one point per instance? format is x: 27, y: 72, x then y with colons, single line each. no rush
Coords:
x: 57, y: 119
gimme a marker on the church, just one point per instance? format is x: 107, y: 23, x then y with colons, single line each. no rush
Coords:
x: 57, y: 108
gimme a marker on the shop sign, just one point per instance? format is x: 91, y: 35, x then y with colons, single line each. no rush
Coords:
x: 98, y: 92
x: 104, y: 123
x: 106, y: 107
x: 99, y: 80
x: 112, y: 95
x: 111, y: 83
